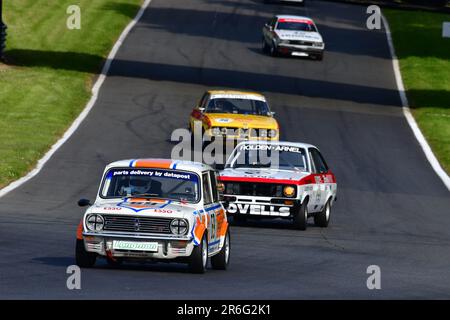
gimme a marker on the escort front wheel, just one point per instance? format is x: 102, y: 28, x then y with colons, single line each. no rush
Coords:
x: 301, y: 216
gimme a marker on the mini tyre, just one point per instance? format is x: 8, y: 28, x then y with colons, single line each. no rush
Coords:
x: 199, y: 257
x: 221, y: 260
x: 301, y: 216
x: 321, y: 219
x: 83, y: 258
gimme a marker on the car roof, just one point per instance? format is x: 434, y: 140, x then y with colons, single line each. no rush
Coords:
x: 281, y: 143
x: 286, y: 16
x: 155, y: 163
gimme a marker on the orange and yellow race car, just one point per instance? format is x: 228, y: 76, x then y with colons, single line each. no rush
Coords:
x: 234, y: 115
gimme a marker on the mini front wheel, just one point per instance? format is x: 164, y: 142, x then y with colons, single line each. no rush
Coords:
x: 199, y: 257
x: 83, y: 258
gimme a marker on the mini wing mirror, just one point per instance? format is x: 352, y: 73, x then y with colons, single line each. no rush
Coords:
x: 272, y: 113
x: 201, y: 109
x: 84, y: 202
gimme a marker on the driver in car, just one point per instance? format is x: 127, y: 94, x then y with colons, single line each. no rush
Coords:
x: 142, y: 185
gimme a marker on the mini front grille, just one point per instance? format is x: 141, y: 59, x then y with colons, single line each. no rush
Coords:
x: 137, y: 224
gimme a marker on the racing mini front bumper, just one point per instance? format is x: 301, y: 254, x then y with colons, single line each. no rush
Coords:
x: 168, y: 247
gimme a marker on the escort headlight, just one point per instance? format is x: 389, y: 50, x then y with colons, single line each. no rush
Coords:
x: 95, y: 222
x: 179, y: 226
x: 272, y: 133
x: 317, y: 44
x: 289, y: 191
x: 215, y: 131
x: 283, y: 41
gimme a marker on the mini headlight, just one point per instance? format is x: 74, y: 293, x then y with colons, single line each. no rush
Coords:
x: 272, y: 133
x: 289, y: 191
x: 223, y: 131
x: 215, y: 131
x: 95, y: 222
x: 178, y: 226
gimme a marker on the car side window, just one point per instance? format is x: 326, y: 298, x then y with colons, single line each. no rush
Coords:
x: 215, y: 193
x: 311, y: 159
x: 206, y: 189
x: 319, y: 162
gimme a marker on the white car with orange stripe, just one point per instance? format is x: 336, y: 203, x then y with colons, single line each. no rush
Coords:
x: 159, y: 209
x: 278, y: 180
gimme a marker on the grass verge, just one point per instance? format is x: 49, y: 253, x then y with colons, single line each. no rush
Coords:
x: 49, y: 72
x: 424, y: 58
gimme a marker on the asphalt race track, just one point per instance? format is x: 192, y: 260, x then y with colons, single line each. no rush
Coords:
x: 392, y: 210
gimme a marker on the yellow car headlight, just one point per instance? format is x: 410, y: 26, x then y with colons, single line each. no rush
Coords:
x: 289, y: 191
x: 272, y: 133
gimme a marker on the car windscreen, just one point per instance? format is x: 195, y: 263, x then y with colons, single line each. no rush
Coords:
x: 151, y: 183
x: 237, y: 106
x: 296, y: 26
x: 268, y: 156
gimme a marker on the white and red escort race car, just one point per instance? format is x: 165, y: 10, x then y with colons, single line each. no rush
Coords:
x: 292, y: 35
x: 278, y: 179
x: 160, y: 209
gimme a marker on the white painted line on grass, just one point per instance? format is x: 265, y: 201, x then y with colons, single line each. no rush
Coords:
x: 95, y: 90
x: 407, y: 112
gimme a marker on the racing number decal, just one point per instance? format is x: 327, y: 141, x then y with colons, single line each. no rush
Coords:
x: 212, y: 234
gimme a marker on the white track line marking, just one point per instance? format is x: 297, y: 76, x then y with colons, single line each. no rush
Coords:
x: 95, y: 90
x: 407, y: 111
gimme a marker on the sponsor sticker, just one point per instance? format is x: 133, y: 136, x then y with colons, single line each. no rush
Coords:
x: 238, y: 96
x: 257, y: 209
x: 154, y: 173
x: 266, y: 147
x: 224, y: 120
x: 135, y: 246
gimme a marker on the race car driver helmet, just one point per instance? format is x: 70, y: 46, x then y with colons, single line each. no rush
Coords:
x: 137, y: 185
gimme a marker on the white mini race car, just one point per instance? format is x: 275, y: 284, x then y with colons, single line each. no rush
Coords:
x: 278, y: 180
x: 159, y: 209
x: 292, y: 35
